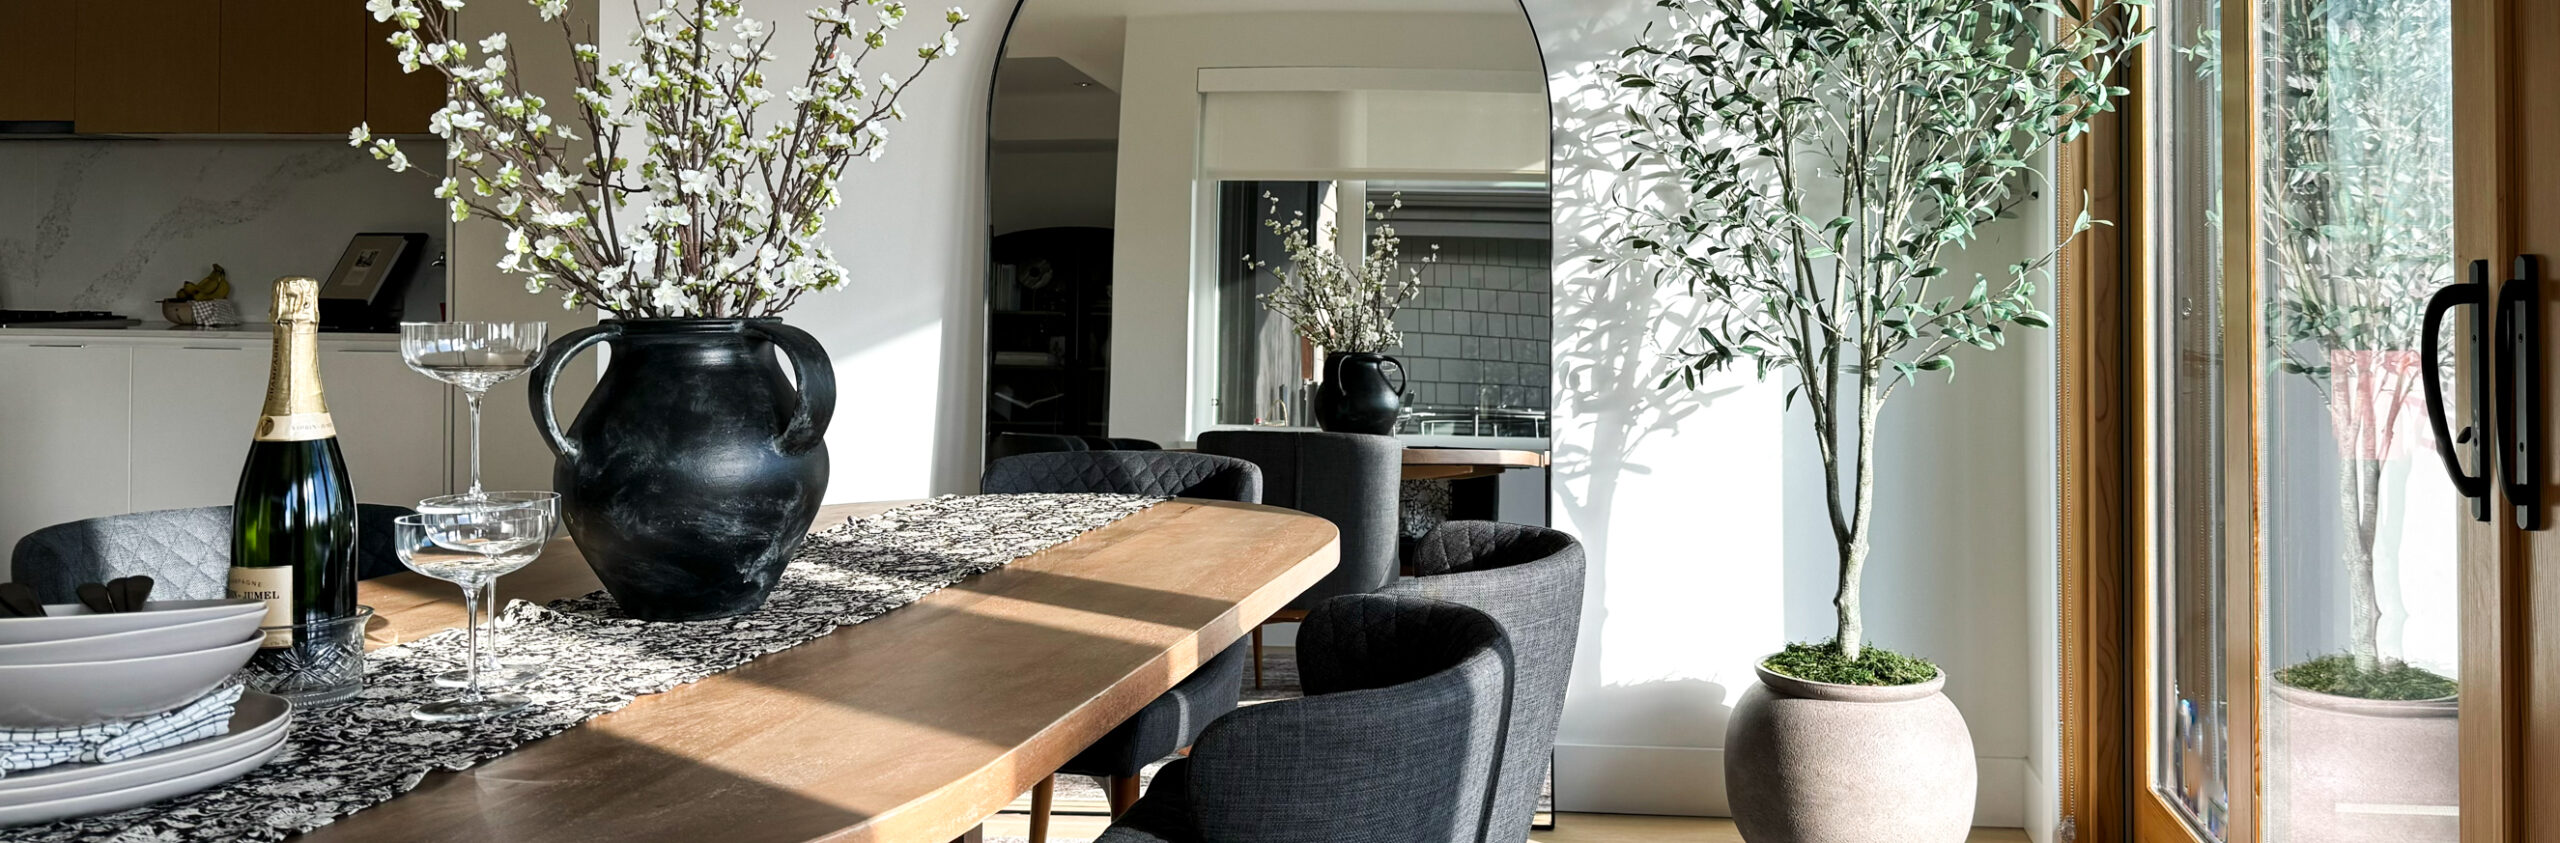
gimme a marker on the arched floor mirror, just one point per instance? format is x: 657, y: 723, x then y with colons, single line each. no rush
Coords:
x: 1137, y: 149
x: 1138, y: 146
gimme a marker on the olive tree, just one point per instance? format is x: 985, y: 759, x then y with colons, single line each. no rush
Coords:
x: 2357, y: 224
x: 1816, y: 164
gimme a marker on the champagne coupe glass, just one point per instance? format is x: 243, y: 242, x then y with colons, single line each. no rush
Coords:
x: 468, y: 549
x: 500, y: 669
x: 473, y: 356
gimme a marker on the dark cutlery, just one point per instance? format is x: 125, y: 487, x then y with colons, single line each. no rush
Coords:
x: 95, y: 597
x: 130, y: 592
x: 20, y: 600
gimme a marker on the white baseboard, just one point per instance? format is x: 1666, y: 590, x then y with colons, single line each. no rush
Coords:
x: 1689, y: 781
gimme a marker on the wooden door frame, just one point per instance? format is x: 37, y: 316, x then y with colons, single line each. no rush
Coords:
x: 2493, y: 590
x: 2095, y: 492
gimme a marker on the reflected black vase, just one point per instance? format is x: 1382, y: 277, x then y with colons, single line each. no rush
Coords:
x: 1356, y: 396
x: 694, y: 470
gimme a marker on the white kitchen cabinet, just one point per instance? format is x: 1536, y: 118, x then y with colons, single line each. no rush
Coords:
x: 104, y: 425
x: 391, y: 424
x: 64, y: 437
x: 194, y: 407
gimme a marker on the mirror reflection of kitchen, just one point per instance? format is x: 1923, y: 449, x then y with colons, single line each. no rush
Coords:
x: 1141, y: 150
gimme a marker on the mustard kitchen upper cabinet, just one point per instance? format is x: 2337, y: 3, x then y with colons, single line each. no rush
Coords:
x: 292, y: 66
x: 36, y: 59
x: 151, y: 66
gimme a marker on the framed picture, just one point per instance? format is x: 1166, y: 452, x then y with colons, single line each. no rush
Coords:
x: 376, y: 265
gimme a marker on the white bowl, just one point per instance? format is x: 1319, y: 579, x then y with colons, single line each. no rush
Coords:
x: 138, y: 644
x: 138, y: 795
x: 48, y: 696
x: 72, y: 620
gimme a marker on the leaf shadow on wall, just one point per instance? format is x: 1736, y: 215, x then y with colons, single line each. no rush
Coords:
x: 1610, y: 328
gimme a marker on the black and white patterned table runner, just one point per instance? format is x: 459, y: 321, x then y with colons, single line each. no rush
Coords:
x: 348, y: 757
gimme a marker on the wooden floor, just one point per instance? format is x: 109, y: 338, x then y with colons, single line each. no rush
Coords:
x: 1571, y: 828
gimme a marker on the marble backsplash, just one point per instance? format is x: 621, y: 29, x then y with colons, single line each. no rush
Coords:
x: 119, y: 224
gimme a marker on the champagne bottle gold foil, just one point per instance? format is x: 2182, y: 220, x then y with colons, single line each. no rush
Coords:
x: 296, y: 411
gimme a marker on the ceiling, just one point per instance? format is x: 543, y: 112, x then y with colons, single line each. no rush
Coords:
x: 1091, y: 34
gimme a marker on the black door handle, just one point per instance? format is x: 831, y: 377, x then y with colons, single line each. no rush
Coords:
x: 2520, y: 391
x: 2474, y: 292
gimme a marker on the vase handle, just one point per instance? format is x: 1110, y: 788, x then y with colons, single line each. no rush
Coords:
x: 817, y: 377
x: 546, y: 419
x: 1400, y: 376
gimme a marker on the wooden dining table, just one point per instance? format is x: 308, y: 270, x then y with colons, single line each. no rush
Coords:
x: 911, y: 727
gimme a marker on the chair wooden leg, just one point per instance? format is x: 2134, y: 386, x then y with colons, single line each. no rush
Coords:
x: 1041, y: 794
x: 1122, y: 791
x: 1257, y: 657
x: 975, y: 835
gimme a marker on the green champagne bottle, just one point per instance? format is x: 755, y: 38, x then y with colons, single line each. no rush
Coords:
x: 293, y: 521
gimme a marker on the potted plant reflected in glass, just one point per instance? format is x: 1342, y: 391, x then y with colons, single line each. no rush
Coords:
x: 2357, y: 229
x: 1348, y: 310
x: 683, y: 190
x: 1808, y: 170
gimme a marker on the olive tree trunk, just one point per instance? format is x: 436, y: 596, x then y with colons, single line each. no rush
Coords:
x: 2360, y: 498
x: 1849, y: 521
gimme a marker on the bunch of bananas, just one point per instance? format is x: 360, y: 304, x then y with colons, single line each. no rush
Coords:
x: 214, y: 286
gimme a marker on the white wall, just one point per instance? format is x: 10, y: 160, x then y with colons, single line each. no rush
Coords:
x: 1699, y: 510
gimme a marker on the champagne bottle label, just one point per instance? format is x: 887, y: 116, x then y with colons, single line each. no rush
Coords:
x: 296, y: 428
x: 295, y: 409
x: 274, y: 586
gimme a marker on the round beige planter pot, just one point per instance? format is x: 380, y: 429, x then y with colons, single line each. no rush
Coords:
x: 2350, y: 770
x: 1813, y: 762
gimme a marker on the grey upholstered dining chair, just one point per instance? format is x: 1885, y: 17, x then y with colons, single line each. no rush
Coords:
x: 186, y: 552
x: 1164, y: 473
x: 1172, y: 721
x: 1351, y: 479
x: 1530, y: 580
x: 1395, y: 742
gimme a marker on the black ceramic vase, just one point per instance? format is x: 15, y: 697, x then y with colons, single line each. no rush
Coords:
x: 694, y: 470
x: 1356, y: 396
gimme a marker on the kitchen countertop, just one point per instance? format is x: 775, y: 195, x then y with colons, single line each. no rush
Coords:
x: 162, y: 333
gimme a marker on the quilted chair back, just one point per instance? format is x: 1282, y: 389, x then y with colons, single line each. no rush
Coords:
x: 1154, y: 473
x: 1354, y: 480
x: 1529, y: 579
x: 1395, y: 742
x: 1014, y: 444
x: 186, y: 552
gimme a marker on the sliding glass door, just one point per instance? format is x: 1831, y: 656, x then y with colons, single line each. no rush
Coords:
x: 2191, y: 771
x: 2330, y: 613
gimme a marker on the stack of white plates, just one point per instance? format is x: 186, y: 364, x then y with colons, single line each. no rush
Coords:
x: 74, y: 668
x: 79, y: 790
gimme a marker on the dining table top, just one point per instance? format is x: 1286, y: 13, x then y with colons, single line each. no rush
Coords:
x: 1426, y: 463
x: 912, y: 726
